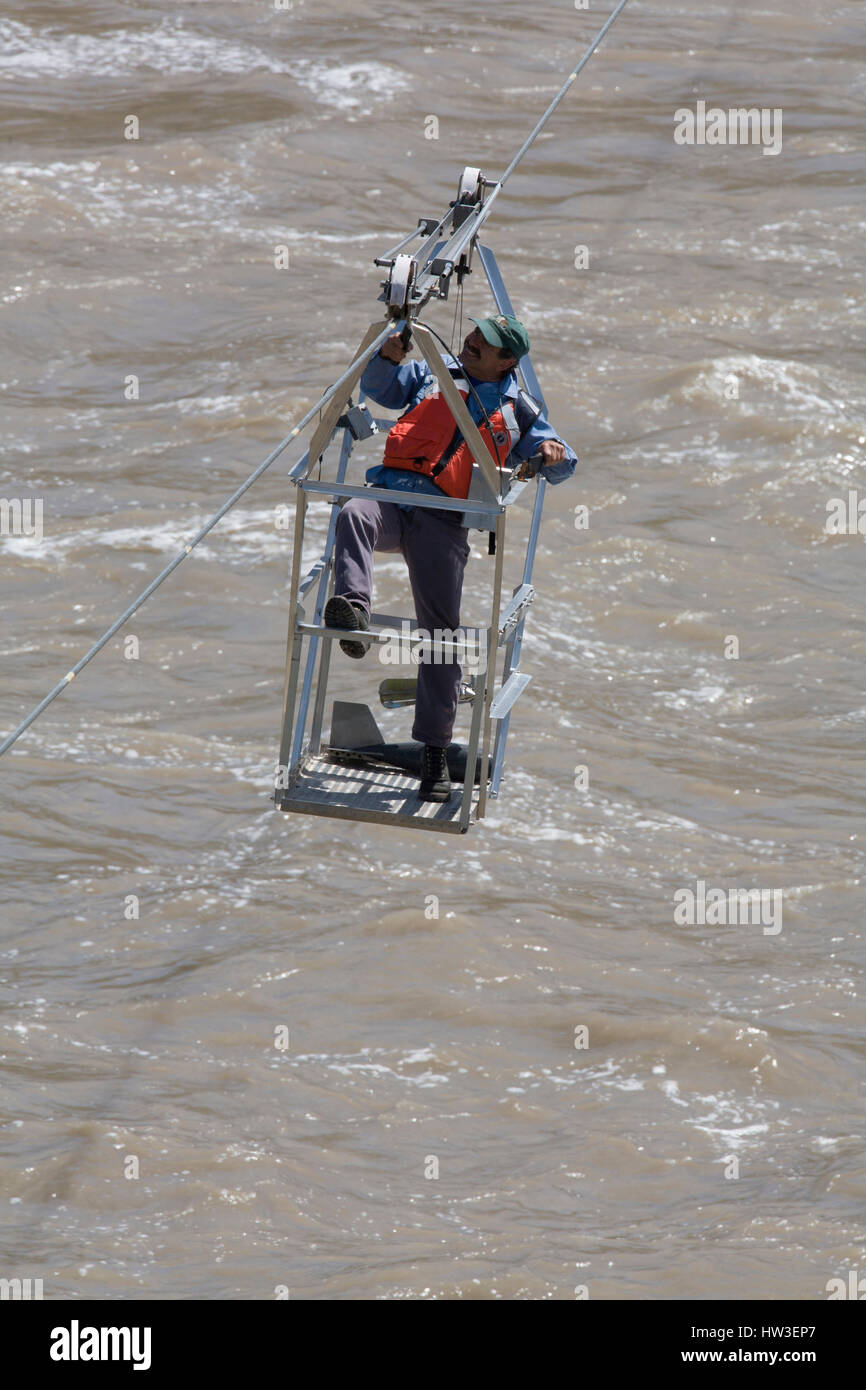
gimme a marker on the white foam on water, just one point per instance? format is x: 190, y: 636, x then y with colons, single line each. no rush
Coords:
x: 247, y: 532
x: 324, y: 238
x: 796, y: 389
x: 729, y: 1121
x: 683, y: 699
x: 170, y: 48
x: 213, y: 405
x: 350, y: 86
x: 108, y: 193
x: 348, y: 1066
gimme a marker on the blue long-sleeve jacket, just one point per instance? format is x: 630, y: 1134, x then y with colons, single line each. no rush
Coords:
x: 401, y: 387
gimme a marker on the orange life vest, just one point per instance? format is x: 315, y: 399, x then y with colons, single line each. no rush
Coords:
x: 426, y: 440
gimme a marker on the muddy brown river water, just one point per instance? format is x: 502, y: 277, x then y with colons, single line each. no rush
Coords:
x: 429, y: 1123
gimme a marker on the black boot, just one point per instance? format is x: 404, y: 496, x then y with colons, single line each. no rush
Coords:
x: 435, y: 782
x: 341, y: 612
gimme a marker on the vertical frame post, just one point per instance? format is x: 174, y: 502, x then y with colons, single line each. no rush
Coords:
x: 492, y: 658
x: 294, y: 640
x: 316, y: 646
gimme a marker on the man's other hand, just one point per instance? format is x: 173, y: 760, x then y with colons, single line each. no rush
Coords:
x: 549, y: 451
x: 392, y: 349
x: 552, y: 450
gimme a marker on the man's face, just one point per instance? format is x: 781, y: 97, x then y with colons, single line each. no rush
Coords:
x: 482, y: 359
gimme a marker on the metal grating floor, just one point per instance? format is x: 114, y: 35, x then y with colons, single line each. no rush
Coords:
x: 326, y: 788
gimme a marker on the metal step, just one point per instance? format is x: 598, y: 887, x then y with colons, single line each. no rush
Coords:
x: 386, y: 627
x: 511, y: 691
x: 325, y: 788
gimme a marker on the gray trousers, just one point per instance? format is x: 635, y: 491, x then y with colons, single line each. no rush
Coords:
x: 435, y: 548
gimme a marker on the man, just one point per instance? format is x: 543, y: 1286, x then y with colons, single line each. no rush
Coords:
x: 425, y: 453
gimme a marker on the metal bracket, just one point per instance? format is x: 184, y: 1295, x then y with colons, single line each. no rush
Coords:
x: 359, y: 422
x: 517, y: 607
